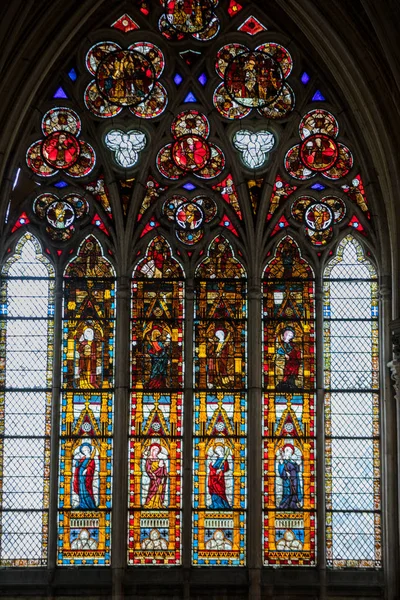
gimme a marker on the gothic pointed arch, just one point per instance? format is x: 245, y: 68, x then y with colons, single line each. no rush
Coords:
x: 157, y: 336
x: 87, y: 407
x: 27, y: 313
x: 289, y: 407
x: 207, y: 179
x: 352, y: 399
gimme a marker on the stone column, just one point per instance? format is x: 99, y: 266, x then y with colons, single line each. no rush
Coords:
x: 319, y: 430
x: 55, y: 427
x: 120, y: 438
x: 390, y: 426
x: 187, y: 462
x: 254, y: 440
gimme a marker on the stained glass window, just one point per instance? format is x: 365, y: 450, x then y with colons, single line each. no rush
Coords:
x: 220, y: 403
x: 87, y: 408
x: 155, y: 447
x: 353, y: 527
x: 26, y: 349
x: 289, y: 409
x: 191, y: 202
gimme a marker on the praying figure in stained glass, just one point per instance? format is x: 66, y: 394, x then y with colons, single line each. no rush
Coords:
x: 157, y: 473
x: 289, y: 472
x: 84, y: 472
x: 220, y: 371
x: 158, y: 350
x: 289, y: 354
x: 87, y: 351
x: 218, y: 466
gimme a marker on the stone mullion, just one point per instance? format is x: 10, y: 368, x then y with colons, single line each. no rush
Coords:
x: 187, y: 450
x: 254, y: 439
x: 319, y: 430
x: 120, y: 437
x: 55, y: 423
x: 389, y: 428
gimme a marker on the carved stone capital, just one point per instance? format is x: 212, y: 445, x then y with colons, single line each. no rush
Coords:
x: 394, y: 367
x: 395, y: 326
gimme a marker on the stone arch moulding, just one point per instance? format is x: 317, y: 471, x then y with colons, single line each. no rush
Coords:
x: 34, y: 56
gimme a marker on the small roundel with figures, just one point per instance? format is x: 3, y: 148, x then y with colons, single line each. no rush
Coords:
x: 191, y: 151
x: 125, y: 78
x: 319, y: 151
x: 60, y: 149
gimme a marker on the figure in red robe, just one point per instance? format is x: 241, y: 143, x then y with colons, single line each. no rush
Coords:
x: 191, y: 153
x: 60, y: 151
x: 216, y: 478
x: 292, y: 361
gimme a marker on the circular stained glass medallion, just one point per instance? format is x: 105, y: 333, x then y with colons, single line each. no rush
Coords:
x: 34, y: 160
x: 125, y: 78
x: 210, y: 32
x: 61, y: 119
x: 97, y: 104
x: 227, y: 107
x: 168, y: 31
x: 190, y: 122
x: 61, y: 150
x: 60, y: 235
x: 319, y: 152
x: 85, y: 163
x: 152, y: 53
x: 281, y: 107
x: 154, y: 105
x: 318, y: 217
x: 318, y: 121
x: 225, y: 55
x: 208, y: 207
x: 215, y: 165
x: 190, y: 16
x: 189, y: 216
x: 294, y: 165
x: 170, y: 205
x: 280, y: 54
x: 190, y: 237
x: 319, y: 238
x: 343, y: 164
x: 299, y: 207
x: 337, y: 207
x: 190, y: 152
x: 41, y: 204
x: 97, y: 53
x: 166, y: 165
x: 60, y: 214
x: 254, y: 79
x: 79, y: 204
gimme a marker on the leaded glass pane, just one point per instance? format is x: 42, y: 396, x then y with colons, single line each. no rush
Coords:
x: 26, y: 349
x: 352, y: 409
x: 155, y: 445
x: 220, y: 409
x: 87, y: 409
x: 289, y: 409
